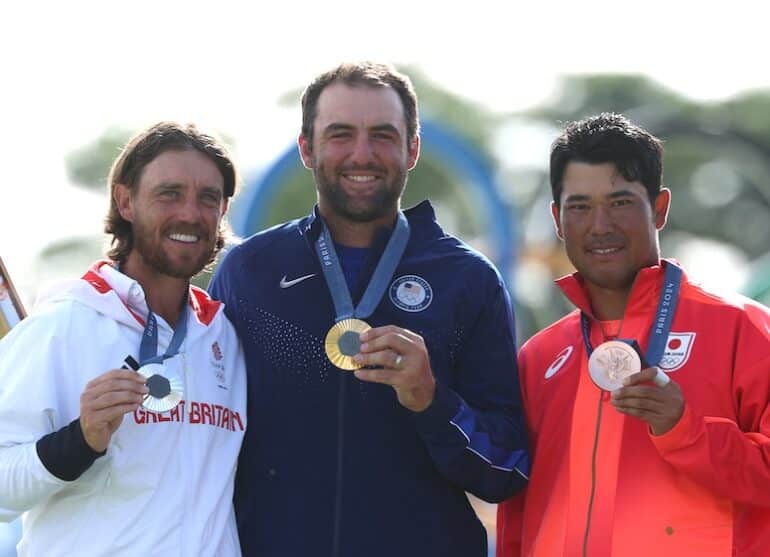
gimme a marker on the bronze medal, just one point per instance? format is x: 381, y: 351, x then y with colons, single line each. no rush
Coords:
x: 343, y: 341
x: 611, y: 362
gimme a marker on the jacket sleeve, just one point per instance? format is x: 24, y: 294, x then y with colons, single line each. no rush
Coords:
x: 220, y: 287
x: 31, y: 407
x: 731, y: 457
x: 474, y: 428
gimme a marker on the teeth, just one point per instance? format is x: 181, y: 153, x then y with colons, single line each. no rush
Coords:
x: 605, y: 251
x: 186, y: 238
x: 360, y: 178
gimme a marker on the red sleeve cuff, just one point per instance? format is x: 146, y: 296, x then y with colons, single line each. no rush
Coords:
x: 681, y: 435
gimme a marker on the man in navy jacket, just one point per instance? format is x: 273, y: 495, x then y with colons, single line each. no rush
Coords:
x: 373, y: 462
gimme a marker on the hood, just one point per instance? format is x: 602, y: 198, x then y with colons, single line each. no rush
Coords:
x: 118, y: 296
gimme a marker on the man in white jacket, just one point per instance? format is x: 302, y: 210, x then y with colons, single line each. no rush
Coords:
x: 122, y: 397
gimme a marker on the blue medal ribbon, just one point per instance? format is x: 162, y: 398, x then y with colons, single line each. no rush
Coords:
x: 148, y: 348
x: 661, y: 326
x: 335, y: 278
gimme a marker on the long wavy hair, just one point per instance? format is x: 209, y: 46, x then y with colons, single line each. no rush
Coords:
x: 140, y: 151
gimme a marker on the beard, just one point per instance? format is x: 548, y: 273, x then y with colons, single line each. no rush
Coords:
x: 379, y: 204
x: 147, y: 243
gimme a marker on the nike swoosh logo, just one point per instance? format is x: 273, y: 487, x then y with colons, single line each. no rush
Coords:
x: 289, y: 283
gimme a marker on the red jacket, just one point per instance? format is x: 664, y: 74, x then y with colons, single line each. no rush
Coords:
x: 702, y: 489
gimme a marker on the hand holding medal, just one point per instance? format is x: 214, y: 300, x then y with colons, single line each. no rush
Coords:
x: 616, y: 366
x: 612, y: 362
x: 398, y: 357
x: 660, y: 406
x: 104, y: 402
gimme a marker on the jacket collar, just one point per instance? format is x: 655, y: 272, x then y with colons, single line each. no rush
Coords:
x: 104, y: 276
x: 644, y: 292
x: 421, y: 214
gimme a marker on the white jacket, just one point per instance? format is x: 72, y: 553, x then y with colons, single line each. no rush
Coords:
x: 165, y: 485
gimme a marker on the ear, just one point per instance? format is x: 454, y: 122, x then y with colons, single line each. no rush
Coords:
x: 122, y: 196
x: 556, y: 220
x: 305, y: 151
x: 225, y: 206
x: 413, y: 152
x: 661, y: 207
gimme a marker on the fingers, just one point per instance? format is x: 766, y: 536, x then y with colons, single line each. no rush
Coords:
x: 385, y: 358
x: 402, y: 361
x: 384, y: 376
x: 117, y: 388
x: 390, y: 337
x: 644, y: 376
x: 104, y: 402
x: 391, y: 366
x: 127, y: 375
x: 639, y: 399
x: 660, y: 407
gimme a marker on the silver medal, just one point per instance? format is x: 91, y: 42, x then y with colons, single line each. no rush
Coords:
x: 166, y: 388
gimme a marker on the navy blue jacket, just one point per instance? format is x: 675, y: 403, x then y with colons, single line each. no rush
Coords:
x: 333, y: 466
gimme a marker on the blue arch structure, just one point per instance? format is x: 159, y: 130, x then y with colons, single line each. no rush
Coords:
x: 437, y: 142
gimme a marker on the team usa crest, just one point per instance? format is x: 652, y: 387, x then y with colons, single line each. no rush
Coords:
x: 411, y: 293
x: 677, y: 352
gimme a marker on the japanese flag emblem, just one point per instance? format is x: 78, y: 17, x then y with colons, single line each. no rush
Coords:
x: 677, y: 352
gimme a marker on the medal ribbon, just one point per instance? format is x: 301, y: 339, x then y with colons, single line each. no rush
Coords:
x: 335, y: 278
x: 148, y: 349
x: 661, y: 326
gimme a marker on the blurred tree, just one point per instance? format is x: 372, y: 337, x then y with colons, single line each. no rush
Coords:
x: 89, y: 165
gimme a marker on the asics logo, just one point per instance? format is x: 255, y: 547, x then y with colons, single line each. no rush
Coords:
x: 289, y: 283
x: 557, y: 364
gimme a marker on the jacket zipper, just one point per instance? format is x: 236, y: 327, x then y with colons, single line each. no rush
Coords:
x: 340, y: 464
x: 593, y: 474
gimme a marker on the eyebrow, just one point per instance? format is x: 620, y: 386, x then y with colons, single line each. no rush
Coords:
x: 390, y: 128
x: 583, y: 197
x: 338, y: 126
x: 178, y: 186
x: 576, y: 197
x: 335, y: 126
x: 168, y: 186
x: 622, y: 193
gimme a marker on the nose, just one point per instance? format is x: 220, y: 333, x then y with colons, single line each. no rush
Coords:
x: 189, y: 210
x: 602, y: 222
x: 362, y: 150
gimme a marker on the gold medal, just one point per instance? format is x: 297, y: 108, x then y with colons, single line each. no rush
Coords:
x: 343, y: 341
x: 611, y: 362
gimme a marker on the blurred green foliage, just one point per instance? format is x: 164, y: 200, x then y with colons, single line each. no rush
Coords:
x: 89, y: 165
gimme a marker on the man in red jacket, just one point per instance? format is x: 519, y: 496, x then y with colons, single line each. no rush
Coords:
x: 659, y: 444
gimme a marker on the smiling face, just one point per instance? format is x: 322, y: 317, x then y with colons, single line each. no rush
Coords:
x: 175, y: 212
x: 609, y: 227
x: 359, y: 153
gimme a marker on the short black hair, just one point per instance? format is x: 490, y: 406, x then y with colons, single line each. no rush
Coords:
x: 609, y: 137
